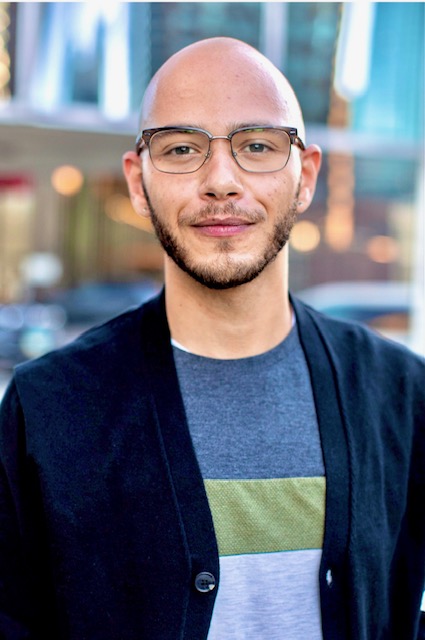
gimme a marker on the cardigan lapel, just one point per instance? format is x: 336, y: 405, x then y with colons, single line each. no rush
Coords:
x: 190, y: 495
x: 333, y: 571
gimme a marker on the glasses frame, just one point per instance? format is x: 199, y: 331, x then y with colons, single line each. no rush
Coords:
x: 145, y: 137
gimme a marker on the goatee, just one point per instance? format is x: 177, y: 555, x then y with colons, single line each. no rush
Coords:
x: 229, y: 273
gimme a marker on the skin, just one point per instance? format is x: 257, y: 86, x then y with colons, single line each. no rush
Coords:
x: 226, y: 275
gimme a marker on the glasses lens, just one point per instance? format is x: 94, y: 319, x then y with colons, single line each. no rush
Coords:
x: 261, y: 150
x: 181, y: 151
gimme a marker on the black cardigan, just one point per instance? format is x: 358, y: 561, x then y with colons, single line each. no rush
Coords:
x: 104, y: 518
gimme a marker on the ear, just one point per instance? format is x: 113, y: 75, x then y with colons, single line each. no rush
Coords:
x: 311, y: 159
x: 132, y: 168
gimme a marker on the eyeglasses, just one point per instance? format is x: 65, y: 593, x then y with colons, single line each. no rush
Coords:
x: 259, y: 149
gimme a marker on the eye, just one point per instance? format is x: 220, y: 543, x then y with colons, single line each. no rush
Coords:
x: 253, y: 143
x: 178, y: 144
x: 256, y: 147
x: 182, y: 150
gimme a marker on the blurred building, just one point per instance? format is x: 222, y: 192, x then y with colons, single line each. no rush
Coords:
x: 71, y: 79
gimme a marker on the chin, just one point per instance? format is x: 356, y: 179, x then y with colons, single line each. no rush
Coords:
x: 226, y: 276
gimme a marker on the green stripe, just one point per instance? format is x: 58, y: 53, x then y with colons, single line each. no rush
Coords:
x: 264, y: 516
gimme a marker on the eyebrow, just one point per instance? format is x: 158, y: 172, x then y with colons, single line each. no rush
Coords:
x: 256, y: 124
x: 231, y: 127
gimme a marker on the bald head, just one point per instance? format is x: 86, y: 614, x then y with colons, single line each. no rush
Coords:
x: 209, y: 79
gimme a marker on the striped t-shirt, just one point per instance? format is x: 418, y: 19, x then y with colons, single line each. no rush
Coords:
x: 255, y: 433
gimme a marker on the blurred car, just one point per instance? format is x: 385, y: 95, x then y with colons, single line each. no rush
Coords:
x: 383, y: 306
x: 92, y: 303
x: 29, y: 330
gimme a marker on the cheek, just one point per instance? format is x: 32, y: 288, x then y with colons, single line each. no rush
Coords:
x: 164, y: 196
x: 276, y: 193
x: 169, y: 191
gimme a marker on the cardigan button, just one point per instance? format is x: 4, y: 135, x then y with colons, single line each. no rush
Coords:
x: 205, y: 582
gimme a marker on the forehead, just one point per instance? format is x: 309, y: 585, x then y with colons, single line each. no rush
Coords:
x: 212, y: 91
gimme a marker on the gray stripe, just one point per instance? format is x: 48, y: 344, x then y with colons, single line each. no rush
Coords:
x: 252, y: 417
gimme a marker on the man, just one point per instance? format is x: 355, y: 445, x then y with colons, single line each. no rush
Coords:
x: 224, y: 462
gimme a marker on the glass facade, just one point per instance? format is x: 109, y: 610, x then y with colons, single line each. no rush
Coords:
x: 312, y: 35
x: 394, y: 101
x: 175, y: 25
x: 74, y: 53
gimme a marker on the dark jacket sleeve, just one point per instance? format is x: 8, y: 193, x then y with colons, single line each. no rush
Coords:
x: 23, y: 571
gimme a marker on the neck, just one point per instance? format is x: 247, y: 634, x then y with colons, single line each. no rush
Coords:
x: 232, y: 323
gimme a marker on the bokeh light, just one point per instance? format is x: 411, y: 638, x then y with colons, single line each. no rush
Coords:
x: 383, y: 249
x: 67, y: 180
x: 305, y: 236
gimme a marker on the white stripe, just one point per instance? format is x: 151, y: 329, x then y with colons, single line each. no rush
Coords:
x: 270, y: 596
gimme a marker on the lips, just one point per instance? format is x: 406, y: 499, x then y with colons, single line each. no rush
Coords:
x: 225, y: 222
x: 222, y: 227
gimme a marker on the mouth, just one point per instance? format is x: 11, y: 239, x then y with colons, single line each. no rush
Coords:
x: 222, y: 227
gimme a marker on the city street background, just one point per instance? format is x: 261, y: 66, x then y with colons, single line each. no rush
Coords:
x: 72, y: 250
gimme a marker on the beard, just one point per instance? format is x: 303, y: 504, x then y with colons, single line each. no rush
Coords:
x: 228, y: 272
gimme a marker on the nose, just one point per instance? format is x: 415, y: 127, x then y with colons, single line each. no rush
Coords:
x: 220, y: 173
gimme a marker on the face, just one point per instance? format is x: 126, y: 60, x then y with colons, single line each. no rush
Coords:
x: 221, y: 225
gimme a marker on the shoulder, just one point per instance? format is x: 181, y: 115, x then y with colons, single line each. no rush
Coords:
x: 96, y: 342
x: 110, y: 351
x: 360, y: 351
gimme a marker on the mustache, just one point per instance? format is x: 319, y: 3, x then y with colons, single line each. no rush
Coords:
x: 228, y: 210
x: 213, y: 210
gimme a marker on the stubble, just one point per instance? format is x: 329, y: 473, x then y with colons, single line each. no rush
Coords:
x: 229, y: 272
